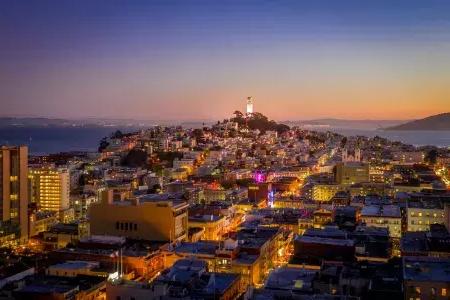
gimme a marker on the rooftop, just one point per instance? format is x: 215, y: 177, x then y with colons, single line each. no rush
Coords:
x: 328, y: 241
x: 286, y: 278
x: 426, y: 269
x: 391, y: 211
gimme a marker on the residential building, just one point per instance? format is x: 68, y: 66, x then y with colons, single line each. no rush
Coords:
x: 422, y: 214
x: 387, y: 216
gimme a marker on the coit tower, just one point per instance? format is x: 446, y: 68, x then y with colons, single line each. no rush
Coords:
x: 249, y: 105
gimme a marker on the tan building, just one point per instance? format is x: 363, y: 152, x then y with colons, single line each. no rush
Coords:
x: 14, y: 188
x: 213, y: 226
x: 154, y: 217
x: 50, y: 188
x: 351, y: 173
x: 41, y: 221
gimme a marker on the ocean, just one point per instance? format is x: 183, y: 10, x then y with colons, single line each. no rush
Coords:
x: 416, y: 137
x: 61, y: 139
x: 45, y: 140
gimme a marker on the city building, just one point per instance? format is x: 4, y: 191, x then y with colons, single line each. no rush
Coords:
x: 325, y: 192
x: 426, y: 277
x: 387, y: 216
x: 14, y: 196
x: 153, y: 217
x: 351, y: 173
x: 50, y: 189
x: 421, y: 214
x: 435, y: 243
x: 408, y: 157
x: 213, y: 226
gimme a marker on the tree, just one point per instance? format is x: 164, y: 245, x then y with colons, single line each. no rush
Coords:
x: 431, y: 157
x: 135, y: 158
x: 238, y: 114
x: 103, y: 144
x: 117, y: 134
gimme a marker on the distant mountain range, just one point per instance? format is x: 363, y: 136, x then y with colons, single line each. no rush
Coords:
x: 436, y: 122
x: 345, y: 124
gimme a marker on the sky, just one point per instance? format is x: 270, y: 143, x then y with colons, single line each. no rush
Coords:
x: 187, y: 60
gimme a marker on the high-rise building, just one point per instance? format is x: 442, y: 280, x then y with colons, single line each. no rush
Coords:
x: 50, y: 188
x: 14, y: 189
x: 249, y: 105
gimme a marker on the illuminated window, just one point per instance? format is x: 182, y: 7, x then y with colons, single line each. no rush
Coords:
x: 444, y: 292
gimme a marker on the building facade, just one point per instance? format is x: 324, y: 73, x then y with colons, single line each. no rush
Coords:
x: 50, y: 188
x: 150, y: 217
x: 14, y: 188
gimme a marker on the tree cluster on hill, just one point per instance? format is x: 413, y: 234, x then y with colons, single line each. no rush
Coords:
x: 135, y: 158
x: 258, y: 121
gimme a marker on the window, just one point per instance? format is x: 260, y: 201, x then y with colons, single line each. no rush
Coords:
x: 433, y: 291
x: 444, y: 292
x: 135, y: 227
x: 117, y: 225
x: 417, y: 290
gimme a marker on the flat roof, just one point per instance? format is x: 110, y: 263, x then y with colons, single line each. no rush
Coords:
x: 426, y: 269
x: 286, y: 278
x: 76, y: 264
x: 328, y: 241
x: 392, y: 211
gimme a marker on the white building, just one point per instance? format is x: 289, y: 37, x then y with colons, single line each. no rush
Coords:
x: 421, y: 215
x: 387, y: 216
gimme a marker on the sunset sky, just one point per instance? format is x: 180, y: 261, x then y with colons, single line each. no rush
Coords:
x: 201, y: 59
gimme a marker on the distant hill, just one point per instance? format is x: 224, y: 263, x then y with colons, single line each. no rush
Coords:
x: 342, y: 123
x: 436, y: 122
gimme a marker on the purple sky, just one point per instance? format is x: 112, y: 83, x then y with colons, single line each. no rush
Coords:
x: 201, y: 59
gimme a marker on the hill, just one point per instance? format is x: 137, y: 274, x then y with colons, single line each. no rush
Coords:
x: 258, y: 121
x: 436, y: 122
x: 345, y: 124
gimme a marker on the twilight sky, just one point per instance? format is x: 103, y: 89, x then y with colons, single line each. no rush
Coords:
x: 200, y: 59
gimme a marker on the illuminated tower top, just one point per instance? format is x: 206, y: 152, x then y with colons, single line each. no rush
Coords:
x: 249, y: 105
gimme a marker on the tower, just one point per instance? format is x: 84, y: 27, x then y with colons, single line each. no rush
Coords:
x: 249, y: 105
